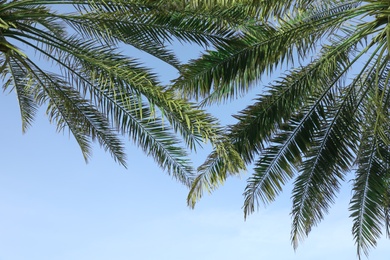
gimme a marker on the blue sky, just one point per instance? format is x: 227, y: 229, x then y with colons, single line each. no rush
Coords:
x: 54, y: 206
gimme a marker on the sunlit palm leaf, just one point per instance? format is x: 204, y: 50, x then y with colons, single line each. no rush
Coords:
x: 94, y: 90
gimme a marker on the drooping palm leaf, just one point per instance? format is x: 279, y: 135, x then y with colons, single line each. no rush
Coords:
x: 327, y: 111
x: 95, y: 90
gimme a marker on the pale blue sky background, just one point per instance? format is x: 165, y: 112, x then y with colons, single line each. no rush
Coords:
x: 53, y: 206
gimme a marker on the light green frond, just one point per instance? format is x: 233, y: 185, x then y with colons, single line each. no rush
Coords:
x: 224, y: 161
x: 106, y: 75
x: 286, y: 96
x: 20, y: 80
x: 95, y: 90
x: 152, y: 136
x: 68, y: 109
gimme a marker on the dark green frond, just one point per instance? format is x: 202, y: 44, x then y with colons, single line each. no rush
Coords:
x: 330, y: 156
x: 230, y: 70
x: 278, y: 162
x: 369, y: 204
x: 329, y: 110
x: 367, y: 201
x: 257, y: 123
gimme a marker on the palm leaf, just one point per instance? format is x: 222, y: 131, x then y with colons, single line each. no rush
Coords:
x: 233, y: 68
x: 97, y: 92
x: 329, y: 158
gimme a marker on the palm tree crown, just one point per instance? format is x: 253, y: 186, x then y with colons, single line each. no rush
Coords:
x: 325, y: 118
x: 95, y: 90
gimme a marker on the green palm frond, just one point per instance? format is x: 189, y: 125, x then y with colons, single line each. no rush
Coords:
x: 258, y: 9
x: 67, y: 108
x: 151, y: 25
x: 387, y: 208
x: 113, y: 74
x: 223, y: 162
x: 95, y: 90
x: 258, y: 122
x: 327, y: 114
x: 366, y: 203
x: 278, y: 162
x: 330, y: 157
x: 19, y: 80
x: 231, y: 69
x: 369, y: 204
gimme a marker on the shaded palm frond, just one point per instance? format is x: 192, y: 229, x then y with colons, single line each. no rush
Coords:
x: 330, y: 156
x: 260, y: 121
x: 231, y: 69
x: 366, y: 204
x: 313, y: 123
x: 369, y: 204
